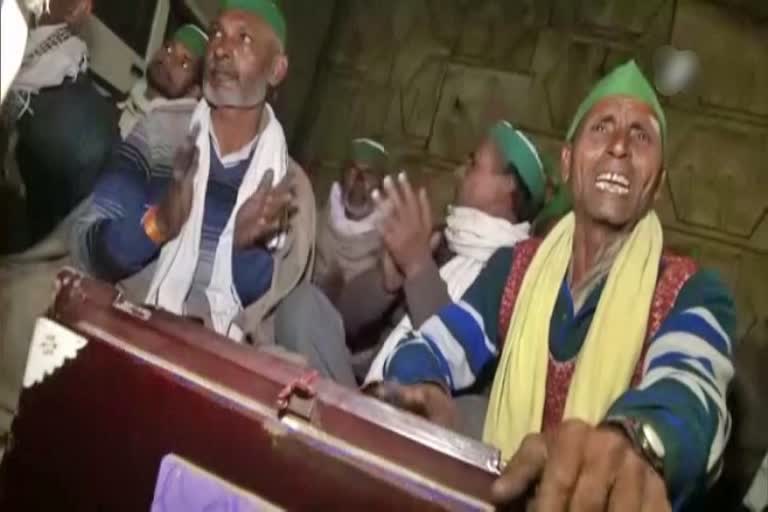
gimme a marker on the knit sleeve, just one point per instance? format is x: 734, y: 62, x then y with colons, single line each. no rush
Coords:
x: 109, y: 239
x: 454, y: 346
x: 683, y: 390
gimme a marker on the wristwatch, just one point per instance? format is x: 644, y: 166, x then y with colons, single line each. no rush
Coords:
x: 644, y: 438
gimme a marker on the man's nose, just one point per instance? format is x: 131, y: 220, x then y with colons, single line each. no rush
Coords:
x: 618, y: 145
x: 223, y: 50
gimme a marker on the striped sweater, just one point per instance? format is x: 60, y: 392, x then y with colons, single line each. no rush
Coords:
x: 110, y: 241
x: 683, y: 383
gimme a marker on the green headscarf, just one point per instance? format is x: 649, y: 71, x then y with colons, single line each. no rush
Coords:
x: 370, y: 152
x: 518, y: 150
x: 193, y: 38
x: 266, y: 9
x: 625, y: 80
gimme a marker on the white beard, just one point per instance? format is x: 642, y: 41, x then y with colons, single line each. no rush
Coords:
x: 234, y: 99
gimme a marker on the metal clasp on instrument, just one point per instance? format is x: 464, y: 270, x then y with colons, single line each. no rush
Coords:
x: 121, y: 304
x: 298, y: 397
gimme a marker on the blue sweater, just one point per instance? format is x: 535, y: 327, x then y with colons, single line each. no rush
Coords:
x: 111, y: 239
x: 682, y: 391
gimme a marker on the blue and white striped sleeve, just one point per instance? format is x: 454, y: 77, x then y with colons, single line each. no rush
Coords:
x: 453, y: 347
x: 683, y: 389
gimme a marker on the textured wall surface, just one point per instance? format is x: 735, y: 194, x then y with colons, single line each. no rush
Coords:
x: 428, y: 77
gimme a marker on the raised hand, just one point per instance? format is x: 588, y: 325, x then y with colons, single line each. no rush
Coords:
x: 173, y: 210
x: 265, y: 213
x: 405, y: 224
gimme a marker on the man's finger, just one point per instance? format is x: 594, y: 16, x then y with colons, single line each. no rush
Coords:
x: 562, y: 471
x: 194, y: 164
x: 410, y: 203
x: 435, y: 240
x: 393, y: 196
x: 262, y: 230
x: 262, y: 191
x: 604, y: 456
x: 522, y: 470
x: 285, y: 185
x: 627, y: 492
x: 654, y: 493
x: 426, y: 209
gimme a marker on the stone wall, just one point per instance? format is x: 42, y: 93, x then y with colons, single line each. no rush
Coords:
x: 429, y: 76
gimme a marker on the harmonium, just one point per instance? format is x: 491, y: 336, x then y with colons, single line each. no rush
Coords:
x: 125, y: 408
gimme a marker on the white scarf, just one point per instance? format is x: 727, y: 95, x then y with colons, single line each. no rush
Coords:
x: 53, y: 55
x: 178, y: 260
x: 474, y: 236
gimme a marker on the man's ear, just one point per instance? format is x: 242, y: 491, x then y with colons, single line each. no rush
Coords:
x: 565, y: 162
x: 660, y: 184
x: 279, y: 70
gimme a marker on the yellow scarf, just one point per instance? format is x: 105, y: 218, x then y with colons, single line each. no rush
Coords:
x: 606, y: 361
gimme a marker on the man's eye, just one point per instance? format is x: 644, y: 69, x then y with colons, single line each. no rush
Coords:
x: 246, y: 38
x: 218, y: 34
x: 600, y: 127
x: 168, y: 50
x: 642, y: 136
x: 185, y: 65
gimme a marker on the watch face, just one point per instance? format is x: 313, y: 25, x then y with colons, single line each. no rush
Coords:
x: 653, y: 440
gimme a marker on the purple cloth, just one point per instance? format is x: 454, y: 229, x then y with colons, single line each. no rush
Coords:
x: 181, y: 487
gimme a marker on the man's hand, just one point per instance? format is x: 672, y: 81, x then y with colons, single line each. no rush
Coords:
x: 582, y: 468
x: 173, y: 210
x: 264, y: 213
x: 72, y: 12
x: 427, y: 400
x: 393, y: 278
x: 405, y: 224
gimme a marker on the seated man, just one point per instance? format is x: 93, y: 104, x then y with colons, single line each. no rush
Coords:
x: 348, y: 243
x: 613, y: 356
x: 174, y: 76
x: 65, y: 128
x: 211, y: 235
x: 499, y: 194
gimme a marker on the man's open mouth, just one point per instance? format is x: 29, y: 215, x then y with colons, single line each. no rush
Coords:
x: 613, y: 183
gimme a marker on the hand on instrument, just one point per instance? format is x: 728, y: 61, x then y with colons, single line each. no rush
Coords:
x: 173, y: 210
x: 264, y: 214
x: 427, y: 400
x: 581, y: 468
x: 405, y: 224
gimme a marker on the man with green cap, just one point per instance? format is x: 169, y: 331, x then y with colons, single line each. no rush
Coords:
x: 174, y: 77
x: 613, y: 357
x: 225, y: 233
x: 422, y: 269
x: 347, y: 241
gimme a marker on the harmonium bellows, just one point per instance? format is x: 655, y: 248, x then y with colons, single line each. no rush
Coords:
x: 128, y: 408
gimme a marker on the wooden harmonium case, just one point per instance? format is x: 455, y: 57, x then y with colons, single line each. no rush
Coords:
x: 127, y: 408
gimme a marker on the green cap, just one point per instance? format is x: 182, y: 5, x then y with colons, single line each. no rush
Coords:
x: 517, y: 149
x: 370, y: 152
x: 193, y: 38
x: 267, y: 9
x: 625, y: 80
